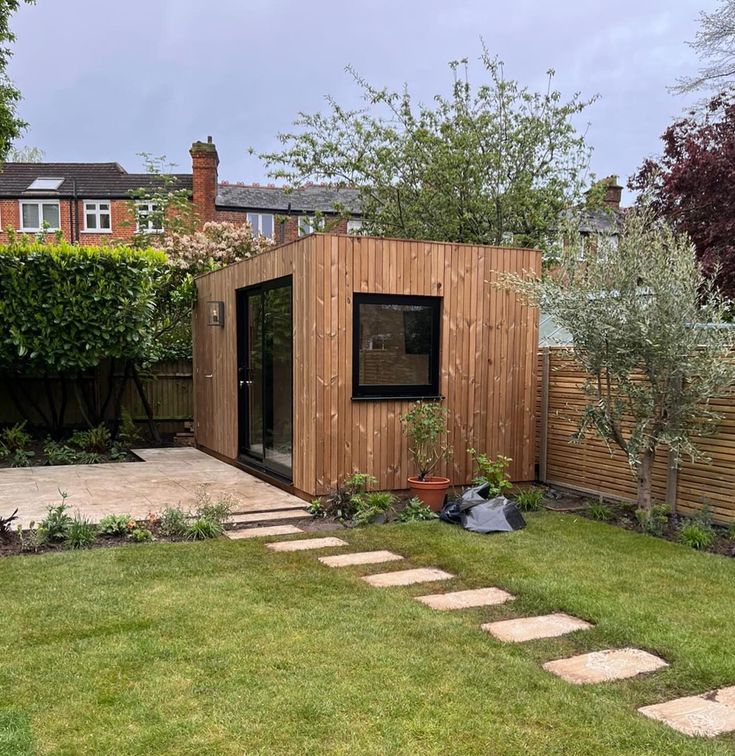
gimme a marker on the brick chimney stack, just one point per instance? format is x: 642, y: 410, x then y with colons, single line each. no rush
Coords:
x: 613, y: 192
x: 204, y: 162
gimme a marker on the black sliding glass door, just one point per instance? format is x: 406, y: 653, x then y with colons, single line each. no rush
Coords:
x: 265, y: 376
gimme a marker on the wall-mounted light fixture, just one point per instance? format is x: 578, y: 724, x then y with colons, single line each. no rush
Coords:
x: 216, y: 313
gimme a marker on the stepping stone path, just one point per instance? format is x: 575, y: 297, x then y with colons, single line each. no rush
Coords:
x: 707, y: 715
x: 362, y: 557
x: 274, y: 530
x: 290, y: 514
x: 306, y: 544
x: 533, y: 628
x: 407, y: 577
x: 465, y: 599
x: 603, y: 666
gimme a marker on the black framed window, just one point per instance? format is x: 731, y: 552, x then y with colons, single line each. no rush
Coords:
x: 395, y: 346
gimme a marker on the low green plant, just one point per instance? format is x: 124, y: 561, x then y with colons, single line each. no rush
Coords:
x: 21, y: 458
x: 118, y: 453
x: 128, y: 432
x: 81, y: 533
x: 731, y: 532
x: 173, y: 522
x: 55, y: 526
x: 15, y: 438
x: 343, y: 502
x: 315, y: 509
x: 140, y: 535
x: 218, y: 511
x: 31, y: 538
x: 415, y: 511
x: 5, y: 524
x: 656, y: 522
x: 697, y: 534
x: 529, y: 499
x: 201, y: 529
x: 492, y: 471
x: 116, y: 525
x: 369, y: 505
x: 58, y: 453
x: 94, y: 440
x: 600, y: 511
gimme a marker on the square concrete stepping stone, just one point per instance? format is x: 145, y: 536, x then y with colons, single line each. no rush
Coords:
x: 407, y: 577
x: 362, y: 557
x: 273, y: 530
x: 291, y: 514
x: 532, y: 628
x: 604, y: 666
x: 306, y: 544
x: 694, y: 715
x: 465, y: 599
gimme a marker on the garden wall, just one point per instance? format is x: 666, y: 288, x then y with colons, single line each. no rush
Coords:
x: 591, y: 467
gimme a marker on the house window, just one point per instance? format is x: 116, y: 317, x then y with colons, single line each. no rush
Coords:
x: 150, y: 218
x: 97, y: 216
x: 396, y: 346
x: 309, y: 224
x: 261, y: 223
x: 36, y: 215
x: 354, y: 226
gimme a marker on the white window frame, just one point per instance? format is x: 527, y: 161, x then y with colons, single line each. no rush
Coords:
x: 39, y: 203
x: 149, y: 206
x: 95, y: 205
x: 257, y: 230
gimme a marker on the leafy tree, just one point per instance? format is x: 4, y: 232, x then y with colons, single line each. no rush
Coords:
x: 714, y: 44
x: 11, y: 126
x: 648, y: 329
x: 692, y: 185
x: 26, y: 154
x: 492, y: 163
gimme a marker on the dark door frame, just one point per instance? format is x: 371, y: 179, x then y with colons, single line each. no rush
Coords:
x: 249, y: 459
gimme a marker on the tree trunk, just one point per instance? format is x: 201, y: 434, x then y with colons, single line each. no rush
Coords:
x: 645, y: 474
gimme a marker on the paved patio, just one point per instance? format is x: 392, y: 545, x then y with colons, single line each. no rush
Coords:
x: 165, y: 477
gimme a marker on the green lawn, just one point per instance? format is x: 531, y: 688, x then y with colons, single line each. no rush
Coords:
x: 226, y: 648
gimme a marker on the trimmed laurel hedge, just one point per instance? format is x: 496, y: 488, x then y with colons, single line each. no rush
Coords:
x: 64, y: 309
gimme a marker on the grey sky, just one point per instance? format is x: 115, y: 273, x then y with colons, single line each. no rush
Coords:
x: 103, y: 80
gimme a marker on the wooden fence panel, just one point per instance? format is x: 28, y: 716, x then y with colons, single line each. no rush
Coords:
x: 591, y: 467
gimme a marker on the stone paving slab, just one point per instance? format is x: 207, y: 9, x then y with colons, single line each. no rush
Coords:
x: 361, y: 557
x: 694, y: 715
x: 534, y: 628
x: 306, y: 544
x: 465, y: 599
x: 167, y: 477
x: 273, y: 530
x: 288, y: 514
x: 605, y: 666
x: 407, y: 577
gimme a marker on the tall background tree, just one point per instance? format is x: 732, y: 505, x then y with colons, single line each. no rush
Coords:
x: 11, y: 126
x: 490, y: 163
x: 692, y: 184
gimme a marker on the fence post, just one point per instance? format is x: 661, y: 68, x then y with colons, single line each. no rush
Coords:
x: 672, y: 479
x: 544, y: 440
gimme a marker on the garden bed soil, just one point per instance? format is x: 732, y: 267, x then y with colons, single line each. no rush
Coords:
x: 622, y: 515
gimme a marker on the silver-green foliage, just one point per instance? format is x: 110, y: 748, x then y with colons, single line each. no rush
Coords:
x: 650, y: 331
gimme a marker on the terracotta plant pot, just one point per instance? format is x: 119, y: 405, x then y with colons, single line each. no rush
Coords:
x: 431, y: 491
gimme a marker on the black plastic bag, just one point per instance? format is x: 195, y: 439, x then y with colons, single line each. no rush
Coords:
x: 450, y: 513
x: 499, y: 515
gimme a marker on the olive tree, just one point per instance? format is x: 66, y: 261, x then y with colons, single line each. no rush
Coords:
x: 490, y: 162
x: 649, y: 330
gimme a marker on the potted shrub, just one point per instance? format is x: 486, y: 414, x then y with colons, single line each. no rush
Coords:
x: 425, y: 427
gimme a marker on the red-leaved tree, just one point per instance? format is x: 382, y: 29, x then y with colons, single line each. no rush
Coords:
x: 692, y: 184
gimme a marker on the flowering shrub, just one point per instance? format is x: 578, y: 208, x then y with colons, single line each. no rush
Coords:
x: 216, y: 245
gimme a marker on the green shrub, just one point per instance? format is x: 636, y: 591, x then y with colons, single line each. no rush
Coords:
x: 657, y: 522
x: 415, y: 510
x: 529, y: 499
x: 202, y: 528
x: 30, y: 539
x: 93, y: 441
x: 315, y: 509
x: 128, y: 432
x: 15, y: 438
x: 21, y: 458
x: 218, y: 511
x: 342, y: 502
x: 118, y: 453
x: 81, y: 533
x: 369, y: 505
x: 731, y: 532
x: 173, y: 522
x: 140, y: 535
x: 55, y: 526
x: 116, y: 525
x: 5, y: 524
x: 425, y: 427
x: 600, y: 511
x: 492, y: 471
x: 58, y: 453
x: 697, y: 534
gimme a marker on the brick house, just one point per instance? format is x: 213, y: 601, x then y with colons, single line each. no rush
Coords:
x: 91, y: 202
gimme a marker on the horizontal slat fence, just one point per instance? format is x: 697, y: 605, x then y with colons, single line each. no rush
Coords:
x: 592, y: 467
x: 168, y: 386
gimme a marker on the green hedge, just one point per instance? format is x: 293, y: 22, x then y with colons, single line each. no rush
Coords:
x: 64, y: 308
